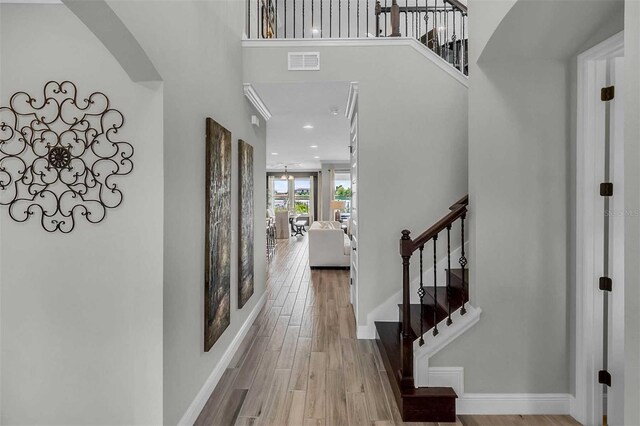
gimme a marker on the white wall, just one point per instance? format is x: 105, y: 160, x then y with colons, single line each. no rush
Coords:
x: 81, y: 314
x: 520, y: 187
x: 195, y: 46
x: 412, y: 142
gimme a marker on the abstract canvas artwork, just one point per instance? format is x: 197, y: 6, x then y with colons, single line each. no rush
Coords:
x: 246, y: 223
x: 217, y: 276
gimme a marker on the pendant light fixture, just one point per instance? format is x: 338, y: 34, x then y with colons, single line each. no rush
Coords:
x: 286, y: 175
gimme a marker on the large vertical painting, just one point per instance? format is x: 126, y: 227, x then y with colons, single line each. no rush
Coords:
x: 217, y: 276
x: 246, y: 223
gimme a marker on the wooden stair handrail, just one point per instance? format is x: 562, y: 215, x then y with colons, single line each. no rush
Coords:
x: 408, y: 245
x: 462, y: 201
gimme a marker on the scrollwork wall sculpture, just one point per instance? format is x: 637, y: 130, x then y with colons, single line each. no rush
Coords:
x: 60, y: 157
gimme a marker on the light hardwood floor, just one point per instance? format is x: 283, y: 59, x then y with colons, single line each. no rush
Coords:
x: 301, y: 363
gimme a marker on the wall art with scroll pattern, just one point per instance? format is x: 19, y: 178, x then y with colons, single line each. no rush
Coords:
x: 61, y: 157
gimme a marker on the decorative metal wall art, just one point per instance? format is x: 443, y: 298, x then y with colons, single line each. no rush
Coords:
x: 60, y: 157
x: 246, y: 223
x: 217, y: 265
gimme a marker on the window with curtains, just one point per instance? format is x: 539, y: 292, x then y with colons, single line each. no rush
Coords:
x: 297, y: 193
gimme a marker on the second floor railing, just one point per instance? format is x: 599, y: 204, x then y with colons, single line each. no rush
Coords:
x: 440, y: 25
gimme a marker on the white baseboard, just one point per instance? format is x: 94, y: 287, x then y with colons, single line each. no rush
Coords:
x: 452, y: 377
x: 514, y: 403
x: 196, y: 406
x: 366, y: 332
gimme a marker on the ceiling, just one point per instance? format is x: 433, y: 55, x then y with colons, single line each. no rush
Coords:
x: 295, y: 105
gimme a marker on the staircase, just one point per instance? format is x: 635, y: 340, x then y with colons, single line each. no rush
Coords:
x: 437, y: 304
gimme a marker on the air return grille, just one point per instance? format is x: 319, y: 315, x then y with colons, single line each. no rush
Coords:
x: 304, y: 61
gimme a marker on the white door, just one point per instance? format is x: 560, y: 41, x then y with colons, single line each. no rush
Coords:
x: 352, y: 114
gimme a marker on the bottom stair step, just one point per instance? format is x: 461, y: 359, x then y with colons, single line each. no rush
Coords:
x: 428, y: 404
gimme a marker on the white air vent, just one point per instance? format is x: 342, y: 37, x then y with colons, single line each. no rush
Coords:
x: 304, y: 61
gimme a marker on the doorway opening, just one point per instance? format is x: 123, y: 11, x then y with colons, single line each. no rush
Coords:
x: 312, y: 173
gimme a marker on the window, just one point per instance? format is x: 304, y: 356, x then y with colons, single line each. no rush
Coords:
x: 302, y: 195
x: 296, y: 194
x: 342, y: 191
x: 280, y: 194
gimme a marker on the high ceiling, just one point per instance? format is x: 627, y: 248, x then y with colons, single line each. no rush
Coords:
x: 296, y: 105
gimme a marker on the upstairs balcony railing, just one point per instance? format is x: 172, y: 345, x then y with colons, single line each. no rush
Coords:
x: 440, y: 25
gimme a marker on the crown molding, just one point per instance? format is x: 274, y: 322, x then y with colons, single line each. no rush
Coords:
x: 256, y: 101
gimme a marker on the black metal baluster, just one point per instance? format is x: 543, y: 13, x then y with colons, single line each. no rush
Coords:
x: 330, y: 16
x: 421, y: 293
x: 358, y: 18
x: 258, y: 26
x: 449, y: 321
x: 348, y: 18
x: 285, y: 18
x: 426, y: 23
x: 367, y: 19
x: 454, y: 40
x: 312, y: 19
x: 248, y: 18
x: 294, y: 18
x: 463, y: 264
x: 463, y: 45
x: 321, y: 26
x: 385, y: 18
x: 339, y: 18
x: 275, y: 30
x: 406, y: 18
x: 303, y: 1
x: 435, y: 287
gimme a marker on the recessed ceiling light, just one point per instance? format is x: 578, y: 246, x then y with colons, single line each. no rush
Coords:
x: 316, y: 157
x: 313, y: 146
x: 335, y: 111
x: 274, y: 153
x: 307, y: 126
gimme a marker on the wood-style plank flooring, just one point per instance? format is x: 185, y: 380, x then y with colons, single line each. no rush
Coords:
x: 301, y: 363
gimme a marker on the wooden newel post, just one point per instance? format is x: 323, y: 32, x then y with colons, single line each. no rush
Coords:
x: 395, y: 19
x: 406, y: 249
x: 405, y: 252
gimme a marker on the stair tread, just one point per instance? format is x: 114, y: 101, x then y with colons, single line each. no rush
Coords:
x: 424, y: 404
x: 456, y: 276
x: 427, y: 318
x: 457, y: 297
x: 389, y: 336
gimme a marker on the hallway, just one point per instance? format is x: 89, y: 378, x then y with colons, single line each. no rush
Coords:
x: 301, y: 363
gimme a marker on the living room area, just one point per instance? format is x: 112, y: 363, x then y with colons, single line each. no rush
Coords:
x: 310, y: 182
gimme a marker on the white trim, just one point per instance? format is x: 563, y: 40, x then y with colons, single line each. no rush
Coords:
x: 452, y: 377
x: 514, y: 403
x: 583, y: 408
x: 372, y: 41
x: 352, y: 100
x: 203, y: 395
x: 434, y: 344
x: 256, y: 101
x: 366, y: 332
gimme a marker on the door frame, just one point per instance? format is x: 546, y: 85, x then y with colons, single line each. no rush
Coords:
x: 350, y: 112
x: 591, y: 74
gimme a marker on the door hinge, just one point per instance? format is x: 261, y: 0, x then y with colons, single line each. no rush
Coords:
x: 606, y: 189
x: 350, y: 281
x: 607, y: 93
x: 605, y: 284
x: 604, y: 378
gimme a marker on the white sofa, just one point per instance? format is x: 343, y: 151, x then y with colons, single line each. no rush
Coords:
x: 329, y: 246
